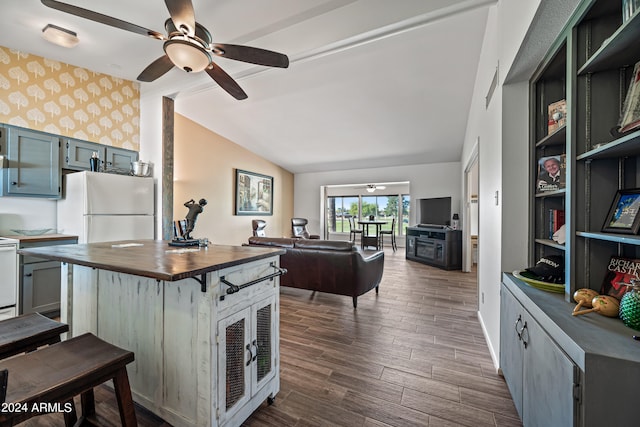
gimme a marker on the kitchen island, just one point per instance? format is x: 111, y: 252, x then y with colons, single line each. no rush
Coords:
x: 203, y: 322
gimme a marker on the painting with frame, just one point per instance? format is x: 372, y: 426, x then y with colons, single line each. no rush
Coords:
x: 624, y: 215
x: 254, y: 193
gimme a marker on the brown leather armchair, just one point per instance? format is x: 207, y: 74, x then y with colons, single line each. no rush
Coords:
x: 258, y: 226
x: 299, y: 229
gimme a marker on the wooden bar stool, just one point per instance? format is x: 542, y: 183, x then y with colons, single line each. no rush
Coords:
x: 28, y: 332
x: 55, y: 374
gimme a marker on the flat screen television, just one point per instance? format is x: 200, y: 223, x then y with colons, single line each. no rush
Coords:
x: 435, y: 211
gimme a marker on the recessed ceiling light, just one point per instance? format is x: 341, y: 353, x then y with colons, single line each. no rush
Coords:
x: 60, y: 36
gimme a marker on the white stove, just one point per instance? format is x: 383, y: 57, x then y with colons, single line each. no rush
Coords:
x: 8, y: 278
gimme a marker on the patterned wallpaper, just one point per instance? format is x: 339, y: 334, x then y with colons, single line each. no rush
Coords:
x: 51, y: 96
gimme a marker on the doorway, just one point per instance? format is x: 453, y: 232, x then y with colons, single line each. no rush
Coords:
x: 471, y: 219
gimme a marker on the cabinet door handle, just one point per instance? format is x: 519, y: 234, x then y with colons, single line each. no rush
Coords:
x: 28, y: 275
x: 250, y: 354
x: 255, y: 356
x: 516, y: 327
x: 522, y: 331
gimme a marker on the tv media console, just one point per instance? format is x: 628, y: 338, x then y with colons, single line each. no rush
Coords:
x: 435, y: 245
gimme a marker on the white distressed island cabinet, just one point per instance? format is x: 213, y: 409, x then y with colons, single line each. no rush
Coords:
x: 203, y: 323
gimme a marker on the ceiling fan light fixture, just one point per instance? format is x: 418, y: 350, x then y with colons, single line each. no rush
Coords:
x: 371, y: 188
x: 60, y: 36
x: 187, y: 55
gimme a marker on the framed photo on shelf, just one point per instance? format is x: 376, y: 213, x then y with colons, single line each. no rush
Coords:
x: 254, y: 193
x: 624, y: 215
x: 551, y: 173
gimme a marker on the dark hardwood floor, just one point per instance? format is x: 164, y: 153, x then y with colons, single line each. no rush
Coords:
x: 413, y: 355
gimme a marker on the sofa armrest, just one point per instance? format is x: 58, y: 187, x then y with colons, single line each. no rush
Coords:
x: 369, y: 270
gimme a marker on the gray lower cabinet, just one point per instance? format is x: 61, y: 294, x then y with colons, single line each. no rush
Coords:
x: 540, y: 377
x: 40, y: 278
x: 33, y: 166
x: 565, y: 370
x: 40, y: 287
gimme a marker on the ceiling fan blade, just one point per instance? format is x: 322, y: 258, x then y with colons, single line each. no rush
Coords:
x: 182, y: 14
x: 226, y: 82
x: 156, y: 69
x: 102, y: 19
x: 252, y: 55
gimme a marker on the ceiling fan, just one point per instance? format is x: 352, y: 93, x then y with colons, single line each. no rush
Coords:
x: 372, y: 187
x: 187, y: 45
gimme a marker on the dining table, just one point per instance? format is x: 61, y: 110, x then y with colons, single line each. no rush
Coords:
x: 368, y: 238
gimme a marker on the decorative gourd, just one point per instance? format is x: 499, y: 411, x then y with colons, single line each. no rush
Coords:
x: 584, y: 297
x: 602, y: 304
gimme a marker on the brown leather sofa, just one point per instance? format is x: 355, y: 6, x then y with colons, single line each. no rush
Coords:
x: 336, y: 267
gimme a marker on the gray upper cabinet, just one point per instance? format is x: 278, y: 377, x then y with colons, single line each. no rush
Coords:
x: 112, y: 159
x: 31, y: 162
x: 77, y: 154
x: 119, y: 159
x: 33, y: 166
x: 3, y: 142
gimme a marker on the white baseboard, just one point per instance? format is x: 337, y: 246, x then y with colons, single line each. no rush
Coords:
x: 492, y: 351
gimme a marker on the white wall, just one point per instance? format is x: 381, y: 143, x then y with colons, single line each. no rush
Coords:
x: 426, y: 180
x: 26, y: 214
x: 517, y: 36
x: 484, y: 126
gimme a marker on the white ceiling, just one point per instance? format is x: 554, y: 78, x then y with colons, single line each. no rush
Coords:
x: 371, y: 83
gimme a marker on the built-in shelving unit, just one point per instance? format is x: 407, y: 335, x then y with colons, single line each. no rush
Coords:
x: 550, y: 86
x: 591, y: 68
x: 577, y: 360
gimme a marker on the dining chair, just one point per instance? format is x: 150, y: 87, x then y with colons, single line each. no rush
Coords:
x: 392, y: 233
x: 353, y: 230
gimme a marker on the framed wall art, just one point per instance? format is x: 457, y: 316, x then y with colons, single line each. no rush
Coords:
x: 624, y: 215
x: 254, y: 193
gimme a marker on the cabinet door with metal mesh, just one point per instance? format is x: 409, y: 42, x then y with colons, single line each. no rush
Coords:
x: 236, y: 354
x: 264, y: 342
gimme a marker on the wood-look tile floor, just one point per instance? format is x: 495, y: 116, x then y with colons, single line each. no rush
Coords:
x: 413, y: 355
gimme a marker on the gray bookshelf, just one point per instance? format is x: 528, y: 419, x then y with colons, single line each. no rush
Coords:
x: 580, y: 358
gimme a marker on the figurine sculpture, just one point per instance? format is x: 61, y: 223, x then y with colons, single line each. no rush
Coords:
x: 195, y: 209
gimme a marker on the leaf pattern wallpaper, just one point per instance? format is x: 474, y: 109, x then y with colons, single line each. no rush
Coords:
x: 51, y: 96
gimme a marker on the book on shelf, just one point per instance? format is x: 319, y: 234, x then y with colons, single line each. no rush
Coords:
x: 551, y: 173
x: 630, y: 117
x: 557, y: 116
x: 556, y: 220
x: 617, y: 279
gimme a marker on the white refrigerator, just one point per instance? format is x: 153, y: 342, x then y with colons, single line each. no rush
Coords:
x: 103, y: 207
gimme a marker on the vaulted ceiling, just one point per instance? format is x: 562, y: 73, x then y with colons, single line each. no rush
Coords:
x: 371, y: 83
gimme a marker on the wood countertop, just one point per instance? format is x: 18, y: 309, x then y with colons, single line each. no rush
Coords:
x: 153, y: 258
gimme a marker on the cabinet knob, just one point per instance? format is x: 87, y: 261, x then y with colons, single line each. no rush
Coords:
x: 14, y: 183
